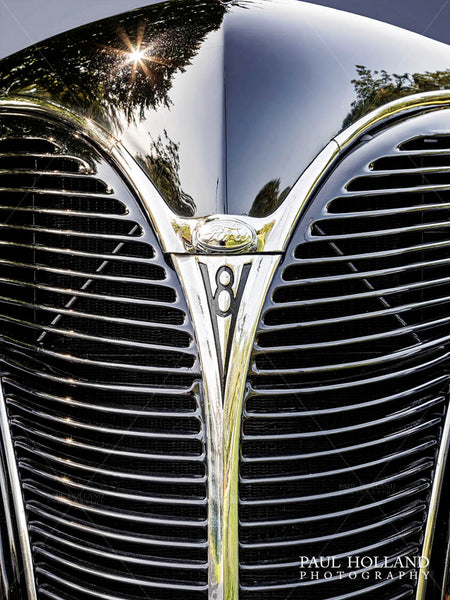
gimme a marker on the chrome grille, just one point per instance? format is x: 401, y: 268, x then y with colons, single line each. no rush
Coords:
x: 348, y: 382
x: 100, y: 377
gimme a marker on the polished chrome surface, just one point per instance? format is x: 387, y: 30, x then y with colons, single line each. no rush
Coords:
x: 225, y: 235
x: 22, y: 554
x: 223, y: 396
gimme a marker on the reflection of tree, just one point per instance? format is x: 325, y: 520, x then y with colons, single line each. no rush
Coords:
x: 163, y: 165
x: 268, y: 199
x: 92, y: 68
x: 376, y: 88
x: 115, y: 70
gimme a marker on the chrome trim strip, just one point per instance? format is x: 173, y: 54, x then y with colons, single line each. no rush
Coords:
x: 223, y: 401
x: 18, y: 508
x: 260, y: 277
x: 191, y: 279
x: 434, y: 505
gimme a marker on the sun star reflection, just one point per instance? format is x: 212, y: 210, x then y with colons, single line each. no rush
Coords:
x: 136, y: 55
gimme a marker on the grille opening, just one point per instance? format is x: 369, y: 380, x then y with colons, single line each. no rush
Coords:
x: 383, y: 243
x: 36, y: 162
x: 370, y: 204
x: 359, y: 374
x: 138, y: 503
x: 331, y: 443
x: 300, y: 466
x: 361, y: 263
x: 146, y: 530
x: 427, y: 142
x: 27, y: 145
x: 43, y: 181
x: 73, y: 222
x: 98, y: 537
x: 56, y: 590
x: 286, y: 424
x: 81, y: 283
x: 76, y: 243
x: 327, y: 525
x: 126, y: 425
x: 400, y: 180
x: 410, y: 386
x: 116, y: 308
x: 69, y: 204
x: 340, y: 226
x: 167, y: 400
x: 330, y: 484
x: 409, y: 485
x: 82, y: 264
x: 121, y: 564
x: 85, y: 324
x: 413, y: 161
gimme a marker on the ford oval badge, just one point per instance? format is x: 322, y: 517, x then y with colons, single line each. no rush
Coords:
x: 224, y: 235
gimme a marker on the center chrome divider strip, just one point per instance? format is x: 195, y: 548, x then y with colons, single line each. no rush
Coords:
x: 223, y: 400
x: 10, y: 486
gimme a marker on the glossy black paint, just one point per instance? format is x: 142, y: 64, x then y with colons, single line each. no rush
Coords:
x: 224, y: 105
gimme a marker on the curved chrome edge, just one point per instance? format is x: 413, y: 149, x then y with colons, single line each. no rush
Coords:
x: 175, y: 233
x: 406, y: 105
x: 189, y: 273
x: 223, y: 399
x: 11, y: 493
x: 286, y: 216
x: 433, y: 508
x: 260, y: 277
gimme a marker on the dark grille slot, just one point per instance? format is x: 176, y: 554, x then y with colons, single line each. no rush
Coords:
x: 42, y: 162
x: 100, y: 377
x: 427, y: 143
x: 348, y: 385
x: 411, y: 161
x: 30, y: 221
x: 27, y: 145
x: 400, y: 180
x: 54, y: 203
x: 44, y: 181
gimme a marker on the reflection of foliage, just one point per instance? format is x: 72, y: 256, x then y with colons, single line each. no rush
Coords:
x: 375, y: 88
x: 90, y: 69
x: 268, y: 199
x: 163, y: 166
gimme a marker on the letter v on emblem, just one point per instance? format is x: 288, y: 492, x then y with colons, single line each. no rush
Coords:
x: 224, y: 294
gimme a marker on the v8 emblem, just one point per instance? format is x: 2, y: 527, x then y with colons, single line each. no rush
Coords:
x: 224, y: 289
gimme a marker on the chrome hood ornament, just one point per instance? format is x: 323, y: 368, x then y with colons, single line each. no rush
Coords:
x: 224, y: 234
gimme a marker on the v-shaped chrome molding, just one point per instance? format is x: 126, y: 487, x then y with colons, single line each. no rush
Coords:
x: 224, y: 393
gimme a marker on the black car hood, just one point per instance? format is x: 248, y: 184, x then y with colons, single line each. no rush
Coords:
x: 225, y: 105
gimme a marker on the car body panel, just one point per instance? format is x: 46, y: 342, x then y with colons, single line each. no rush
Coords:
x: 221, y: 111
